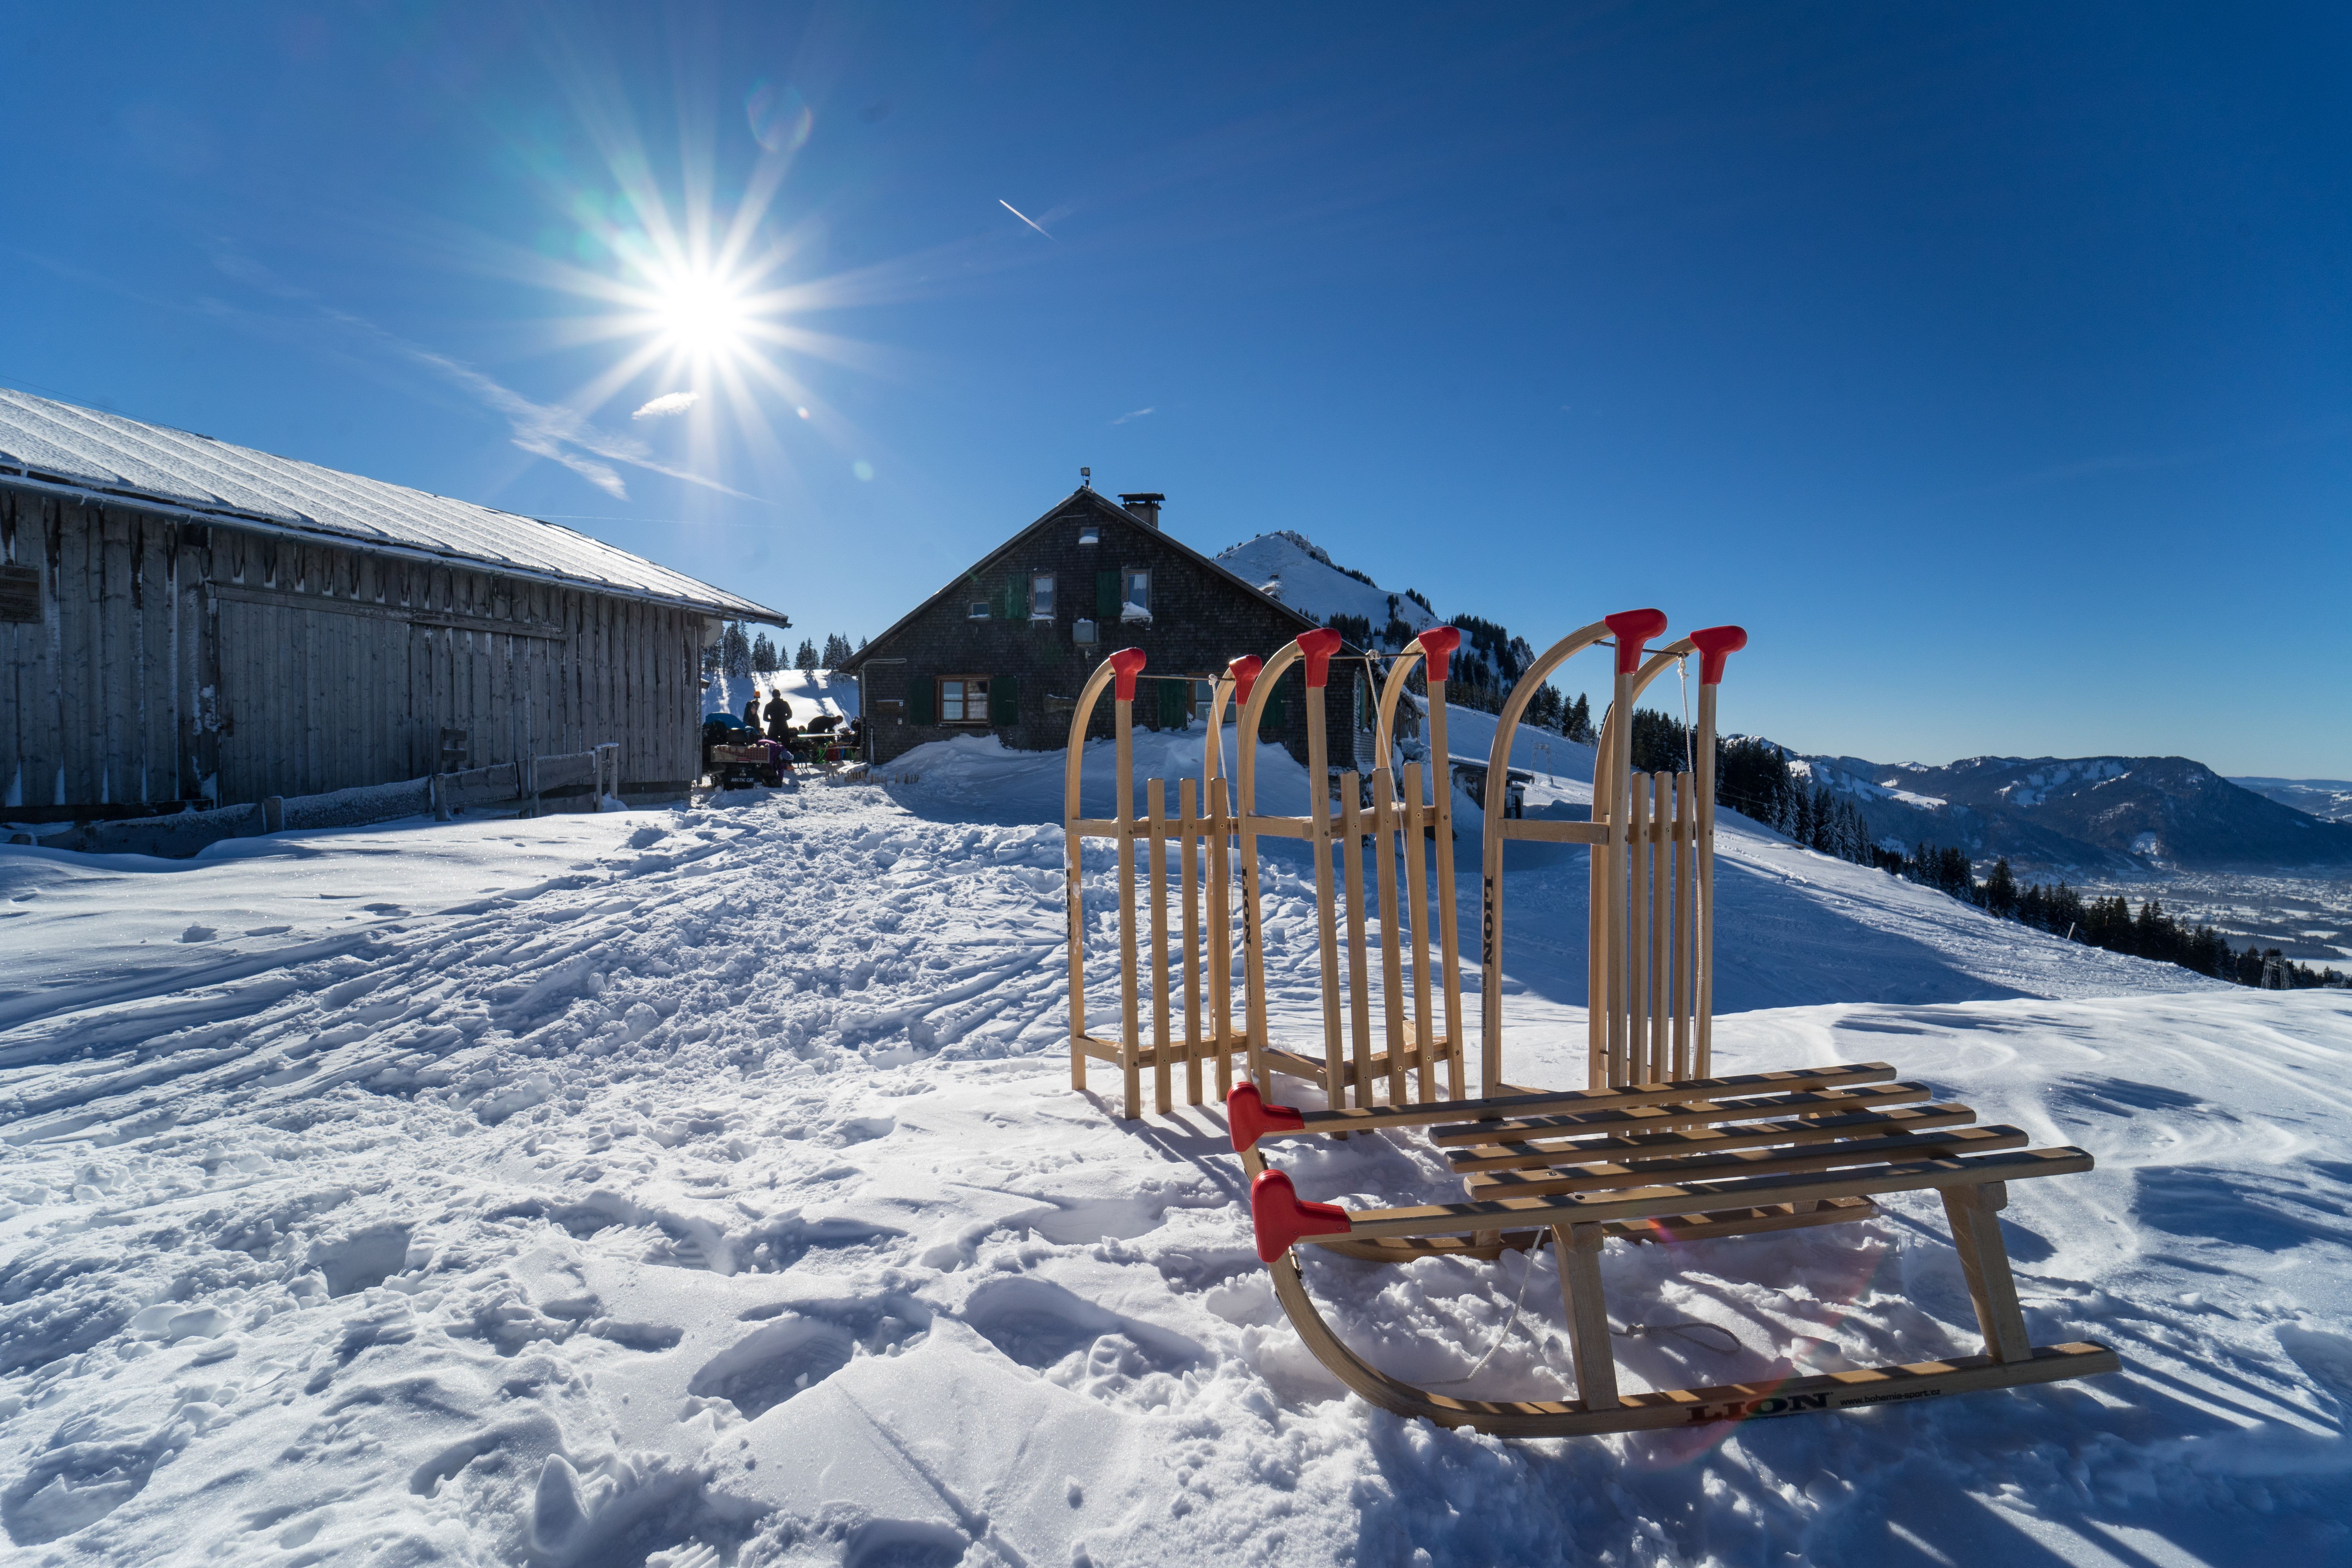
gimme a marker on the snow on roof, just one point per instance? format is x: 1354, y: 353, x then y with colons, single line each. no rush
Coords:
x: 58, y: 445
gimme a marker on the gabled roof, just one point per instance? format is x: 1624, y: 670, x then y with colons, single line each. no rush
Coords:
x: 59, y: 447
x: 1110, y: 511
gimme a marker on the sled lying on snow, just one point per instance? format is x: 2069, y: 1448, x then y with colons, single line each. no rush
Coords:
x: 1668, y: 1162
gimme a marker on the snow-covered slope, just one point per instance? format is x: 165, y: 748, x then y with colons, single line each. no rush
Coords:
x: 1292, y: 568
x: 2330, y: 800
x: 811, y: 692
x: 712, y: 1191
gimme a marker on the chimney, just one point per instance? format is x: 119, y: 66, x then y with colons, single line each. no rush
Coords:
x: 1144, y: 504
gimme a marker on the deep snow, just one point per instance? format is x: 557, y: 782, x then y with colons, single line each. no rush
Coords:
x: 700, y: 1185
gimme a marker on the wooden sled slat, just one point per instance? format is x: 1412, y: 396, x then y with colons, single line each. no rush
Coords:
x: 1710, y: 1139
x: 1528, y: 1130
x: 1666, y: 1229
x: 1643, y: 1203
x: 1754, y: 1163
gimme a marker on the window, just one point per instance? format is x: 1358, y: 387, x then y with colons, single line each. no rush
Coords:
x: 1041, y: 596
x: 963, y: 699
x: 977, y: 610
x: 1135, y: 590
x: 1090, y: 536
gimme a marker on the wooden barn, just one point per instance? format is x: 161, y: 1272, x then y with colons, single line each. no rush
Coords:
x: 1005, y: 648
x: 184, y: 621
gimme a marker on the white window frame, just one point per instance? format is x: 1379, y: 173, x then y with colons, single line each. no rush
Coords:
x: 1041, y: 594
x: 1128, y: 576
x: 1090, y: 534
x: 977, y: 610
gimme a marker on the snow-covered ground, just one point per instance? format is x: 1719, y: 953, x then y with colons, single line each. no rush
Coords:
x: 705, y: 1186
x: 809, y: 691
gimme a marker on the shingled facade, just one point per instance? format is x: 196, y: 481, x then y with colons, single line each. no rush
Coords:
x: 1005, y: 648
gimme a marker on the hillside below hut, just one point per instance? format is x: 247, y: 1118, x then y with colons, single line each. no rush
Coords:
x: 1004, y: 648
x: 183, y: 622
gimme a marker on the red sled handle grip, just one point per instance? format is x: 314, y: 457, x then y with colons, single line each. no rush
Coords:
x: 1716, y: 645
x: 1634, y: 627
x: 1244, y: 673
x: 1316, y: 647
x: 1438, y: 646
x: 1250, y: 1118
x: 1128, y: 663
x: 1279, y: 1218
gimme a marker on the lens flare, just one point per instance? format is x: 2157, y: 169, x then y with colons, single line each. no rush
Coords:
x: 780, y: 118
x: 702, y: 314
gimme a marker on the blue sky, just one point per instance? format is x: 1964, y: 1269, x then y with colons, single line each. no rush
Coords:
x: 1989, y: 363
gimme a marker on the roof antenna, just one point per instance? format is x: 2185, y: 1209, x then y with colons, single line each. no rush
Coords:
x: 1085, y: 479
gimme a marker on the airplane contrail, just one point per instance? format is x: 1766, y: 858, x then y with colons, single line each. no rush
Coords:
x: 1017, y: 212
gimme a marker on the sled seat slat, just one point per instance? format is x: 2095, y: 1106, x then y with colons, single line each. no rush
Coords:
x: 1498, y: 1114
x: 1715, y: 1138
x: 1611, y: 1176
x: 1625, y: 1202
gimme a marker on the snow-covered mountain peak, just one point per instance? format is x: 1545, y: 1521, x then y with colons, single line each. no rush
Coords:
x: 1293, y: 568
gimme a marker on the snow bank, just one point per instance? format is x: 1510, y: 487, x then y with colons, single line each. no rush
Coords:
x: 705, y: 1186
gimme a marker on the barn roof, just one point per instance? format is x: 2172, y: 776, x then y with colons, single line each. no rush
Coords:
x: 1059, y: 512
x: 57, y: 446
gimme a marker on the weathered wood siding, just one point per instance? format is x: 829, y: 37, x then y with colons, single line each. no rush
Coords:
x: 178, y: 660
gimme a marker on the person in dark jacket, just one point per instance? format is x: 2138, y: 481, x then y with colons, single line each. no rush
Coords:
x: 751, y: 715
x: 779, y: 715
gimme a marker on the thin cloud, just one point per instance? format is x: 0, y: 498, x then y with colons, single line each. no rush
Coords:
x: 1137, y: 414
x: 1025, y: 218
x: 667, y: 403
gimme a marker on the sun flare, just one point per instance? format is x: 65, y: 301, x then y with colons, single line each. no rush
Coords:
x: 703, y: 315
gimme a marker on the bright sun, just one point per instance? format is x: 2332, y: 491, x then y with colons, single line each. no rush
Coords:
x: 703, y: 315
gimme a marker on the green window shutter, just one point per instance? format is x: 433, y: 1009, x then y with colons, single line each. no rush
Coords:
x: 1277, y: 714
x: 1106, y: 600
x: 922, y: 705
x: 1172, y: 704
x: 1008, y: 606
x: 1004, y: 700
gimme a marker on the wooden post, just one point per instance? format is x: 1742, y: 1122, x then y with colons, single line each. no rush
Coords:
x: 1587, y: 1314
x: 1449, y: 928
x: 1351, y: 862
x: 1384, y: 842
x: 1637, y: 928
x: 1317, y: 658
x: 1686, y: 987
x: 1976, y: 1233
x: 1416, y: 884
x: 1221, y: 937
x: 1253, y: 681
x: 1187, y: 832
x: 1129, y: 986
x: 1156, y: 881
x: 1716, y: 645
x: 1660, y: 935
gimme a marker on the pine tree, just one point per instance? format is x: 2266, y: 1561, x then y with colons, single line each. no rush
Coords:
x: 1579, y: 723
x: 2000, y: 889
x: 736, y: 649
x: 806, y: 657
x: 836, y: 651
x: 763, y: 655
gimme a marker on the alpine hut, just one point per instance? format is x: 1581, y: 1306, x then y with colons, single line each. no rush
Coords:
x: 185, y: 622
x: 1004, y: 649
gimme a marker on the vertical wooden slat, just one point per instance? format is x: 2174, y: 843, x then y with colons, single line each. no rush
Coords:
x: 1131, y: 1021
x: 1221, y: 934
x: 1976, y: 1233
x: 1416, y: 883
x: 1351, y: 864
x: 1318, y: 819
x: 1662, y: 847
x: 1637, y: 928
x: 1156, y: 887
x: 1188, y: 845
x: 1685, y: 988
x: 1449, y: 935
x: 111, y: 647
x: 1384, y: 848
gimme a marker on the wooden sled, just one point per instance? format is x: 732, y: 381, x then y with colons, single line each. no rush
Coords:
x: 1654, y: 1150
x: 1201, y: 825
x: 1674, y: 1161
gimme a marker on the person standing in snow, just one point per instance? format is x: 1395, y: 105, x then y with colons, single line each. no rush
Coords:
x: 751, y: 713
x: 778, y: 714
